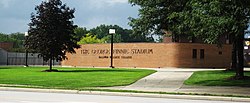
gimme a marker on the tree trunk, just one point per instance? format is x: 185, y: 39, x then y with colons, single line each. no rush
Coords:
x: 50, y: 64
x: 234, y: 56
x: 240, y: 57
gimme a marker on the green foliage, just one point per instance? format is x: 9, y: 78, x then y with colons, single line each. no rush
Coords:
x: 155, y: 16
x: 90, y: 39
x: 117, y: 38
x: 102, y: 32
x: 70, y: 78
x: 6, y: 38
x: 209, y: 20
x: 19, y: 39
x: 122, y: 35
x: 80, y: 32
x: 216, y: 78
x: 51, y: 31
x: 16, y: 38
x: 204, y: 19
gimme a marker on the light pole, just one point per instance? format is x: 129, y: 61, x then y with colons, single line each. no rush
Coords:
x: 112, y: 32
x: 26, y: 50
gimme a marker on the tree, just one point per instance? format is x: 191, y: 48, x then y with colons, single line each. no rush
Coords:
x: 102, y: 30
x: 16, y: 38
x: 80, y: 32
x: 19, y: 39
x: 122, y: 35
x: 117, y: 38
x: 5, y: 38
x: 89, y: 39
x: 220, y: 18
x: 208, y: 20
x: 51, y: 31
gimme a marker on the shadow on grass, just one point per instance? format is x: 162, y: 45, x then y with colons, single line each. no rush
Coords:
x: 226, y: 82
x: 20, y: 67
x: 10, y: 67
x: 219, y: 78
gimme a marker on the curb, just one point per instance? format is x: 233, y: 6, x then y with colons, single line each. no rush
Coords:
x: 170, y: 96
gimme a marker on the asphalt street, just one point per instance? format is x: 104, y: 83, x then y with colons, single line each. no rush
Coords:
x: 36, y: 97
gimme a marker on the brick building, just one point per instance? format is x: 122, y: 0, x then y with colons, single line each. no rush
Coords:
x: 152, y: 55
x: 6, y: 45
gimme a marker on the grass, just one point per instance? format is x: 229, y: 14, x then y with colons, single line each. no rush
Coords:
x: 217, y: 78
x: 70, y: 78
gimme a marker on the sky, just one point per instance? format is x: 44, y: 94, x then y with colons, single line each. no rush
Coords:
x: 15, y: 14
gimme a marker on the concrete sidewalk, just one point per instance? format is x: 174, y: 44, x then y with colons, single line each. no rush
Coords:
x: 163, y: 80
x: 171, y: 80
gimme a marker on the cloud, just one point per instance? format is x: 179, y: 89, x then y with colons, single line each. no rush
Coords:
x: 95, y: 21
x: 15, y: 14
x: 98, y: 4
x: 12, y: 25
x: 5, y: 3
x: 115, y: 1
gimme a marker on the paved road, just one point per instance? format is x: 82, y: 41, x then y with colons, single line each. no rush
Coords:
x: 31, y: 97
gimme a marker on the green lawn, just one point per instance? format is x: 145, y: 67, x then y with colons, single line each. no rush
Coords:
x: 70, y: 78
x: 216, y: 78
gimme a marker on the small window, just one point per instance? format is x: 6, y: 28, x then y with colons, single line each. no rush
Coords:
x: 220, y: 52
x: 202, y: 55
x: 194, y: 53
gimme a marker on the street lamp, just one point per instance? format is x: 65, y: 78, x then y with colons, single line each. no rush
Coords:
x: 26, y: 50
x: 112, y: 32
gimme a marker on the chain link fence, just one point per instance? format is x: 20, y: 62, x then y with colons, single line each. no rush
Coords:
x: 14, y: 58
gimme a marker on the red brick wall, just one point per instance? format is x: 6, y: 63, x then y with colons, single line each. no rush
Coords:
x: 152, y: 55
x: 167, y: 40
x: 6, y: 45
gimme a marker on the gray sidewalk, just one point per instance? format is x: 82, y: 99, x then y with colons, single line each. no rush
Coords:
x: 171, y: 80
x: 163, y: 80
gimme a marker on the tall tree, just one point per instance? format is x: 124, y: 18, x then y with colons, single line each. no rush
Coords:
x: 208, y: 20
x: 222, y: 17
x: 154, y: 16
x: 51, y: 31
x: 103, y: 30
x: 122, y: 35
x: 80, y: 32
x: 117, y: 38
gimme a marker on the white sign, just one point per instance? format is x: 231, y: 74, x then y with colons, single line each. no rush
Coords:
x: 245, y: 47
x: 26, y: 34
x: 111, y: 31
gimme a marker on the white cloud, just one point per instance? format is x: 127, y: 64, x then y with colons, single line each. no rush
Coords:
x: 115, y: 1
x: 89, y: 13
x: 97, y: 4
x: 96, y: 21
x: 5, y: 3
x: 13, y: 25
